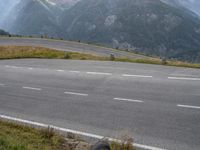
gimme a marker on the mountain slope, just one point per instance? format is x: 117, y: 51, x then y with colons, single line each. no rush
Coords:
x: 36, y: 17
x: 2, y: 32
x: 192, y: 5
x: 148, y: 26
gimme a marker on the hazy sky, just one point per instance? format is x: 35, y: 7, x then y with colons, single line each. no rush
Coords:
x: 5, y: 8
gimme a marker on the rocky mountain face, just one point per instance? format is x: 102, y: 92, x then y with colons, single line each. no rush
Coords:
x: 35, y: 17
x: 147, y: 26
x: 155, y: 27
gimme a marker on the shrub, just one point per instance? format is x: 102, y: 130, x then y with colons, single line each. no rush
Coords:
x: 125, y: 144
x: 164, y: 61
x: 67, y: 56
x: 112, y: 57
x: 48, y: 133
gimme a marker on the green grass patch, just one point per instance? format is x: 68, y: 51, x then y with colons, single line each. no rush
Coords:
x: 20, y: 137
x: 17, y: 52
x: 14, y: 136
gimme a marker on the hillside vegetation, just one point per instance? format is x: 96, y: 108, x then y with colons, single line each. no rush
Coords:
x: 20, y: 137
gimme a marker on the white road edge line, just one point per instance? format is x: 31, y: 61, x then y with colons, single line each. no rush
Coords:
x: 128, y: 100
x: 139, y: 76
x: 183, y: 78
x: 188, y: 106
x: 37, y: 124
x: 73, y: 93
x: 99, y: 73
x: 31, y: 88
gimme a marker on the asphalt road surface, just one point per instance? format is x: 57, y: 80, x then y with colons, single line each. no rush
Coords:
x: 158, y: 105
x: 67, y: 46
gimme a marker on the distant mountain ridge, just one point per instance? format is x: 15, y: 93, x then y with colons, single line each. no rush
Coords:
x: 2, y: 32
x: 153, y: 27
x: 193, y: 5
x: 35, y: 17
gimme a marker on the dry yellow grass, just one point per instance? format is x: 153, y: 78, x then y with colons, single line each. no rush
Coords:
x: 17, y: 52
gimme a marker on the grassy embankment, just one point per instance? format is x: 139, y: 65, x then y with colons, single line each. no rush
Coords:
x: 17, y: 52
x: 14, y: 136
x: 20, y: 137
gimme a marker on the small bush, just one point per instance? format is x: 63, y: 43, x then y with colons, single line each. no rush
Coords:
x: 125, y: 144
x: 164, y: 61
x: 83, y: 58
x: 112, y: 57
x: 48, y: 133
x: 67, y: 56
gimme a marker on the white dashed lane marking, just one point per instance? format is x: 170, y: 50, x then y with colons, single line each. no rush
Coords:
x: 128, y: 100
x: 183, y: 78
x: 99, y: 73
x: 74, y: 71
x: 15, y: 67
x: 60, y: 70
x: 137, y: 76
x: 32, y: 88
x: 78, y: 94
x: 188, y: 106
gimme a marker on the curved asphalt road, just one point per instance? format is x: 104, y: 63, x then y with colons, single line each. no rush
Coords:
x: 67, y: 46
x: 158, y: 105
